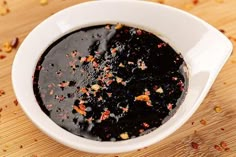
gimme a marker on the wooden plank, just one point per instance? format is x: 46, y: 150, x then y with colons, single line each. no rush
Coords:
x: 19, y: 137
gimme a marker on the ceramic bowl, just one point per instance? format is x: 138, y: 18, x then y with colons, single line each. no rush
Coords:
x: 203, y: 47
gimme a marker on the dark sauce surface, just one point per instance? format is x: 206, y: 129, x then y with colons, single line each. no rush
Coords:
x: 110, y: 83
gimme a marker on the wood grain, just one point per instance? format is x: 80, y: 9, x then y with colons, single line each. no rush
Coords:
x: 19, y: 137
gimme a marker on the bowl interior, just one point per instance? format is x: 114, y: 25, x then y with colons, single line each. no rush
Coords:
x: 187, y: 34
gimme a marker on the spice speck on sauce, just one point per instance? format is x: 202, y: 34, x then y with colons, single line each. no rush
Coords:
x: 110, y: 82
x: 124, y: 136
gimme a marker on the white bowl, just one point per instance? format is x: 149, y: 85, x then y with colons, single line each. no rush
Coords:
x: 204, y: 48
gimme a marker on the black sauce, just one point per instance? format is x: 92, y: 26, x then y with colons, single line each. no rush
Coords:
x: 110, y: 83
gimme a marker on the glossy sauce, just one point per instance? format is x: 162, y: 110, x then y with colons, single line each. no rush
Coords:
x: 110, y: 82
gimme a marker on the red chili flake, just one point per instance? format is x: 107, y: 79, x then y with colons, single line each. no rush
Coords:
x: 139, y: 32
x: 51, y: 92
x: 109, y: 75
x: 39, y: 67
x: 60, y: 98
x: 217, y: 148
x: 142, y: 98
x: 181, y: 85
x: 192, y: 123
x: 49, y: 106
x: 130, y: 63
x: 121, y: 65
x: 83, y: 59
x: 109, y: 94
x: 222, y: 31
x: 83, y: 90
x: 2, y: 92
x: 35, y: 140
x: 195, y: 2
x: 21, y: 146
x: 90, y: 58
x: 0, y: 109
x: 141, y: 130
x: 109, y: 82
x: 118, y: 79
x: 14, y: 42
x: 222, y: 129
x: 108, y: 27
x: 82, y: 112
x: 113, y: 50
x: 170, y: 106
x: 223, y: 144
x: 74, y: 53
x: 147, y: 92
x: 149, y: 103
x: 105, y: 115
x: 227, y: 149
x: 146, y: 125
x: 125, y: 109
x: 15, y: 102
x: 124, y: 83
x: 4, y: 150
x: 95, y: 64
x: 194, y: 145
x: 160, y: 45
x: 118, y: 26
x: 82, y: 107
x: 203, y: 122
x: 2, y: 56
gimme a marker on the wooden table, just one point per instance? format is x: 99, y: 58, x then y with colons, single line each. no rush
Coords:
x: 19, y: 137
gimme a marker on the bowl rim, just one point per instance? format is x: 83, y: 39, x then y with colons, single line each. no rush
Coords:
x: 109, y: 149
